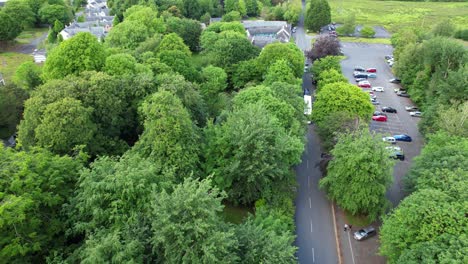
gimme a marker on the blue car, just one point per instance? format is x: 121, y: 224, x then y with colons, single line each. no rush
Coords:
x: 402, y: 137
x: 372, y: 75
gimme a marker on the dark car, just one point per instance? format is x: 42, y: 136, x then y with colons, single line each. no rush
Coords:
x: 403, y: 95
x: 395, y: 80
x: 396, y: 153
x: 364, y: 233
x: 377, y: 113
x: 359, y: 69
x: 403, y: 137
x: 389, y: 109
x: 360, y: 79
x: 360, y: 75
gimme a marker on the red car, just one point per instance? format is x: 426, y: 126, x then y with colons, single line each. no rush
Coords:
x: 364, y: 84
x: 380, y: 118
x: 371, y: 70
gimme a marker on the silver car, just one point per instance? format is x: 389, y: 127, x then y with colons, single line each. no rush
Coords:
x: 364, y: 233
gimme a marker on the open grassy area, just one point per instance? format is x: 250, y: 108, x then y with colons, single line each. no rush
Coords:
x: 235, y: 214
x: 394, y: 14
x: 29, y: 34
x: 366, y: 40
x: 9, y: 61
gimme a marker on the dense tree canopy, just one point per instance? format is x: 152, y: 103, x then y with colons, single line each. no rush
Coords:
x: 318, y: 15
x: 287, y: 51
x: 359, y: 174
x: 11, y: 108
x: 81, y: 53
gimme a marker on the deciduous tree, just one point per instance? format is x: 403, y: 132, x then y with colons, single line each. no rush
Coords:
x: 325, y: 46
x: 287, y: 51
x: 317, y: 15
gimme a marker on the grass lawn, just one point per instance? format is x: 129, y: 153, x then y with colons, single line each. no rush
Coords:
x: 366, y: 40
x: 394, y: 14
x: 29, y: 34
x: 235, y: 214
x: 9, y: 61
x: 357, y: 220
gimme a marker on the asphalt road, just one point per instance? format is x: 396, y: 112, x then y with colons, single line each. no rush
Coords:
x: 314, y: 222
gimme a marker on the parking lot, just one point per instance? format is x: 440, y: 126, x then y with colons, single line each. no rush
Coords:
x: 372, y: 56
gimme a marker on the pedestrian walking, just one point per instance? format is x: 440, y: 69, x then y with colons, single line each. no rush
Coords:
x: 346, y: 227
x: 350, y: 226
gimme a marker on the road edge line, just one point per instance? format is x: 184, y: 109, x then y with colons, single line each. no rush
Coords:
x: 338, y: 247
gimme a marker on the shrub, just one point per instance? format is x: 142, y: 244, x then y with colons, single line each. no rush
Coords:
x: 462, y: 34
x: 367, y: 32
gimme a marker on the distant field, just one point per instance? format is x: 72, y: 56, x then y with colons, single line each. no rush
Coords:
x: 9, y: 61
x: 366, y: 40
x: 394, y: 14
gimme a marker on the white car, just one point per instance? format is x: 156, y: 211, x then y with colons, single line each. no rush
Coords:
x: 416, y: 114
x: 378, y: 89
x: 411, y: 108
x: 394, y: 148
x: 389, y: 140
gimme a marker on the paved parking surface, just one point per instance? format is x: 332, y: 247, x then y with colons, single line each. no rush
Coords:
x: 367, y: 56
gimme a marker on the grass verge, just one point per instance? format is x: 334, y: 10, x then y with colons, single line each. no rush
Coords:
x: 9, y: 61
x: 29, y: 34
x: 357, y: 220
x: 366, y: 40
x: 395, y: 14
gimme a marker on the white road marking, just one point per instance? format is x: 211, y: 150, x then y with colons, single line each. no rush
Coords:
x: 351, y: 246
x: 310, y: 203
x: 311, y: 228
x: 313, y: 255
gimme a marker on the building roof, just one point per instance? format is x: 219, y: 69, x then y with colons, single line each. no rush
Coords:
x: 262, y: 32
x: 263, y: 24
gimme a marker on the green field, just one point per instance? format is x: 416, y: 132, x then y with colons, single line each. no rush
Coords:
x: 9, y: 61
x: 393, y: 14
x: 29, y: 34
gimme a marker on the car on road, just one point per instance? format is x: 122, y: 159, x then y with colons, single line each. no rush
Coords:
x: 411, y: 108
x: 389, y: 140
x: 389, y: 109
x: 372, y: 75
x: 377, y: 113
x: 396, y: 153
x: 359, y: 69
x: 360, y: 79
x: 365, y: 84
x: 395, y: 80
x: 403, y: 137
x: 416, y: 114
x: 371, y: 70
x: 380, y: 118
x: 389, y: 56
x: 378, y: 89
x: 364, y: 233
x: 360, y: 75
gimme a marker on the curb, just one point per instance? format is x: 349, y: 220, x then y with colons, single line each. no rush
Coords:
x: 338, y: 245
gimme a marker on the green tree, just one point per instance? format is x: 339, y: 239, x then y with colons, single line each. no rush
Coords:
x: 325, y: 64
x: 280, y: 71
x: 317, y: 15
x: 249, y: 154
x: 242, y: 8
x: 257, y: 244
x: 179, y: 62
x: 169, y: 135
x: 231, y: 5
x: 192, y: 9
x: 120, y: 64
x: 454, y: 120
x: 287, y: 51
x: 349, y: 25
x: 81, y: 53
x: 65, y: 125
x: 50, y: 13
x: 127, y: 35
x: 172, y: 42
x: 367, y: 32
x: 330, y: 76
x: 212, y: 88
x: 232, y: 48
x: 423, y: 216
x: 10, y: 28
x: 146, y: 16
x: 334, y: 124
x: 35, y: 185
x: 245, y: 73
x: 11, y: 108
x: 20, y: 11
x: 188, y: 227
x: 251, y: 7
x: 359, y: 174
x: 231, y: 17
x: 444, y: 28
x: 189, y: 30
x: 28, y: 76
x: 344, y: 97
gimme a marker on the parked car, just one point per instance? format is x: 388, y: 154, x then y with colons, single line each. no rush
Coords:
x: 377, y: 113
x: 374, y: 102
x: 364, y: 84
x: 396, y: 153
x: 390, y: 64
x: 360, y: 75
x: 395, y: 80
x: 403, y: 95
x: 389, y: 140
x: 372, y: 75
x: 364, y: 233
x: 373, y: 96
x: 371, y: 70
x: 389, y: 109
x: 359, y: 69
x: 380, y: 118
x: 416, y: 114
x: 378, y: 89
x: 294, y: 29
x: 389, y: 56
x: 411, y: 108
x: 403, y: 137
x: 396, y: 90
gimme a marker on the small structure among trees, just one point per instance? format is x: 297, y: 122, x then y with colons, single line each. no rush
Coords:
x: 2, y: 81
